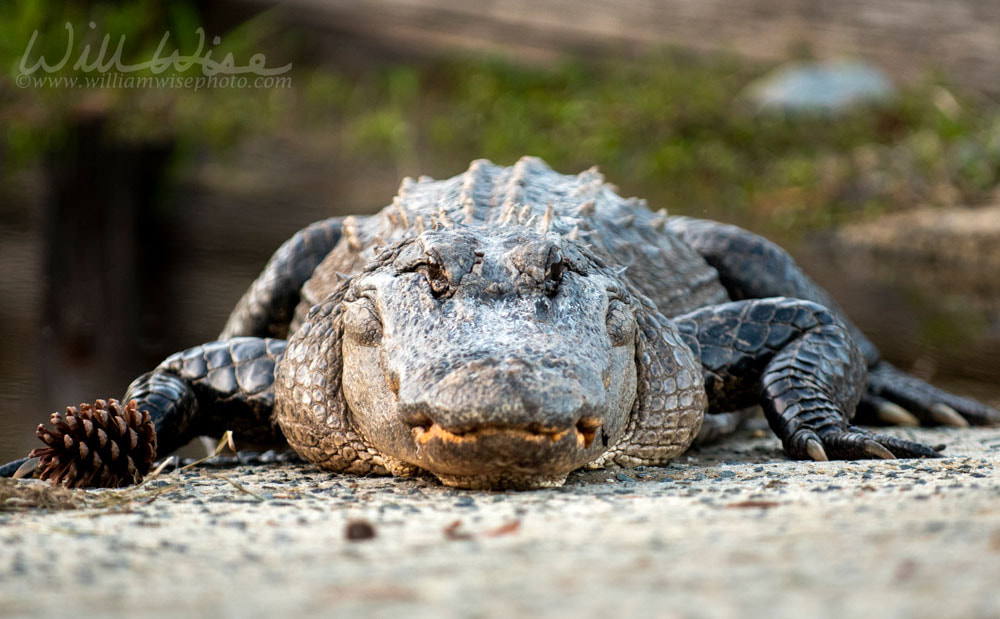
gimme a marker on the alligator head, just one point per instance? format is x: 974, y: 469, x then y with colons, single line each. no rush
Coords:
x: 490, y: 359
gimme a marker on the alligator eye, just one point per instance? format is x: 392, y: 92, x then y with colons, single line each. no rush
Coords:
x: 621, y: 323
x: 361, y: 322
x: 435, y: 275
x: 554, y: 269
x: 436, y: 278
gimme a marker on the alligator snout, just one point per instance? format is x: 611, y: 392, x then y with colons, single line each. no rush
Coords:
x: 543, y: 397
x: 505, y: 416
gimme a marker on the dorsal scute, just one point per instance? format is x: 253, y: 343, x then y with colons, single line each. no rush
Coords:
x: 580, y: 208
x: 528, y: 193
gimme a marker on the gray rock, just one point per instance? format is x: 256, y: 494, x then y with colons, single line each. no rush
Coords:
x: 830, y: 87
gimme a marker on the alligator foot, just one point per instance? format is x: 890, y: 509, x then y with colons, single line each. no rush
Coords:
x: 854, y: 443
x: 892, y: 394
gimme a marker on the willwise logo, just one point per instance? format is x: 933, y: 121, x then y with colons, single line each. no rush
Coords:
x: 81, y: 66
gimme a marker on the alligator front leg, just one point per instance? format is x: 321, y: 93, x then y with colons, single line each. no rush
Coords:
x: 208, y: 389
x: 751, y: 267
x: 798, y: 361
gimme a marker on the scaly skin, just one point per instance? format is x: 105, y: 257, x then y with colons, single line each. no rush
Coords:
x: 506, y: 326
x: 752, y: 267
x: 233, y: 378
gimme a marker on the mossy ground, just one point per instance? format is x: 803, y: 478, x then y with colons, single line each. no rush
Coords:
x: 676, y: 131
x: 668, y: 127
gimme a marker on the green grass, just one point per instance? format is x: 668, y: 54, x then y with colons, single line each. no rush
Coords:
x: 670, y: 128
x: 676, y: 131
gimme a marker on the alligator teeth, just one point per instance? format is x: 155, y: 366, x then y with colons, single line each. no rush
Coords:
x: 424, y: 434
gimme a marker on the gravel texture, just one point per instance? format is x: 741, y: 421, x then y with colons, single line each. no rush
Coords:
x: 733, y: 529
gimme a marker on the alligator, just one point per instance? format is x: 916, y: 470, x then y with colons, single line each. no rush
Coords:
x: 504, y: 327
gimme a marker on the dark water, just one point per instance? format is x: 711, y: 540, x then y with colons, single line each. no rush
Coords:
x: 938, y: 323
x: 943, y: 329
x: 226, y: 222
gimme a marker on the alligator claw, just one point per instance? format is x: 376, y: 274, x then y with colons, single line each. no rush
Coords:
x: 932, y: 406
x: 947, y: 416
x: 27, y: 469
x: 895, y: 415
x: 815, y: 450
x: 877, y: 411
x: 878, y: 451
x: 882, y: 446
x: 854, y: 443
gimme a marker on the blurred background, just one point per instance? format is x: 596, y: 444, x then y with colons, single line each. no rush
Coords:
x: 864, y: 137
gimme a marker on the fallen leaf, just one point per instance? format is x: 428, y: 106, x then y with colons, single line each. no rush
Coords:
x: 452, y: 531
x: 753, y: 503
x: 507, y: 529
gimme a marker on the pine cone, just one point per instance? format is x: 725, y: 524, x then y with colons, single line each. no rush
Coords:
x: 99, y: 446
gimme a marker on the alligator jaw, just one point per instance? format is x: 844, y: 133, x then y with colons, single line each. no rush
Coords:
x: 505, y: 457
x: 584, y: 432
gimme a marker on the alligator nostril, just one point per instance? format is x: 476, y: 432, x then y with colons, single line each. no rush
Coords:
x: 392, y: 381
x: 587, y: 429
x: 419, y: 420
